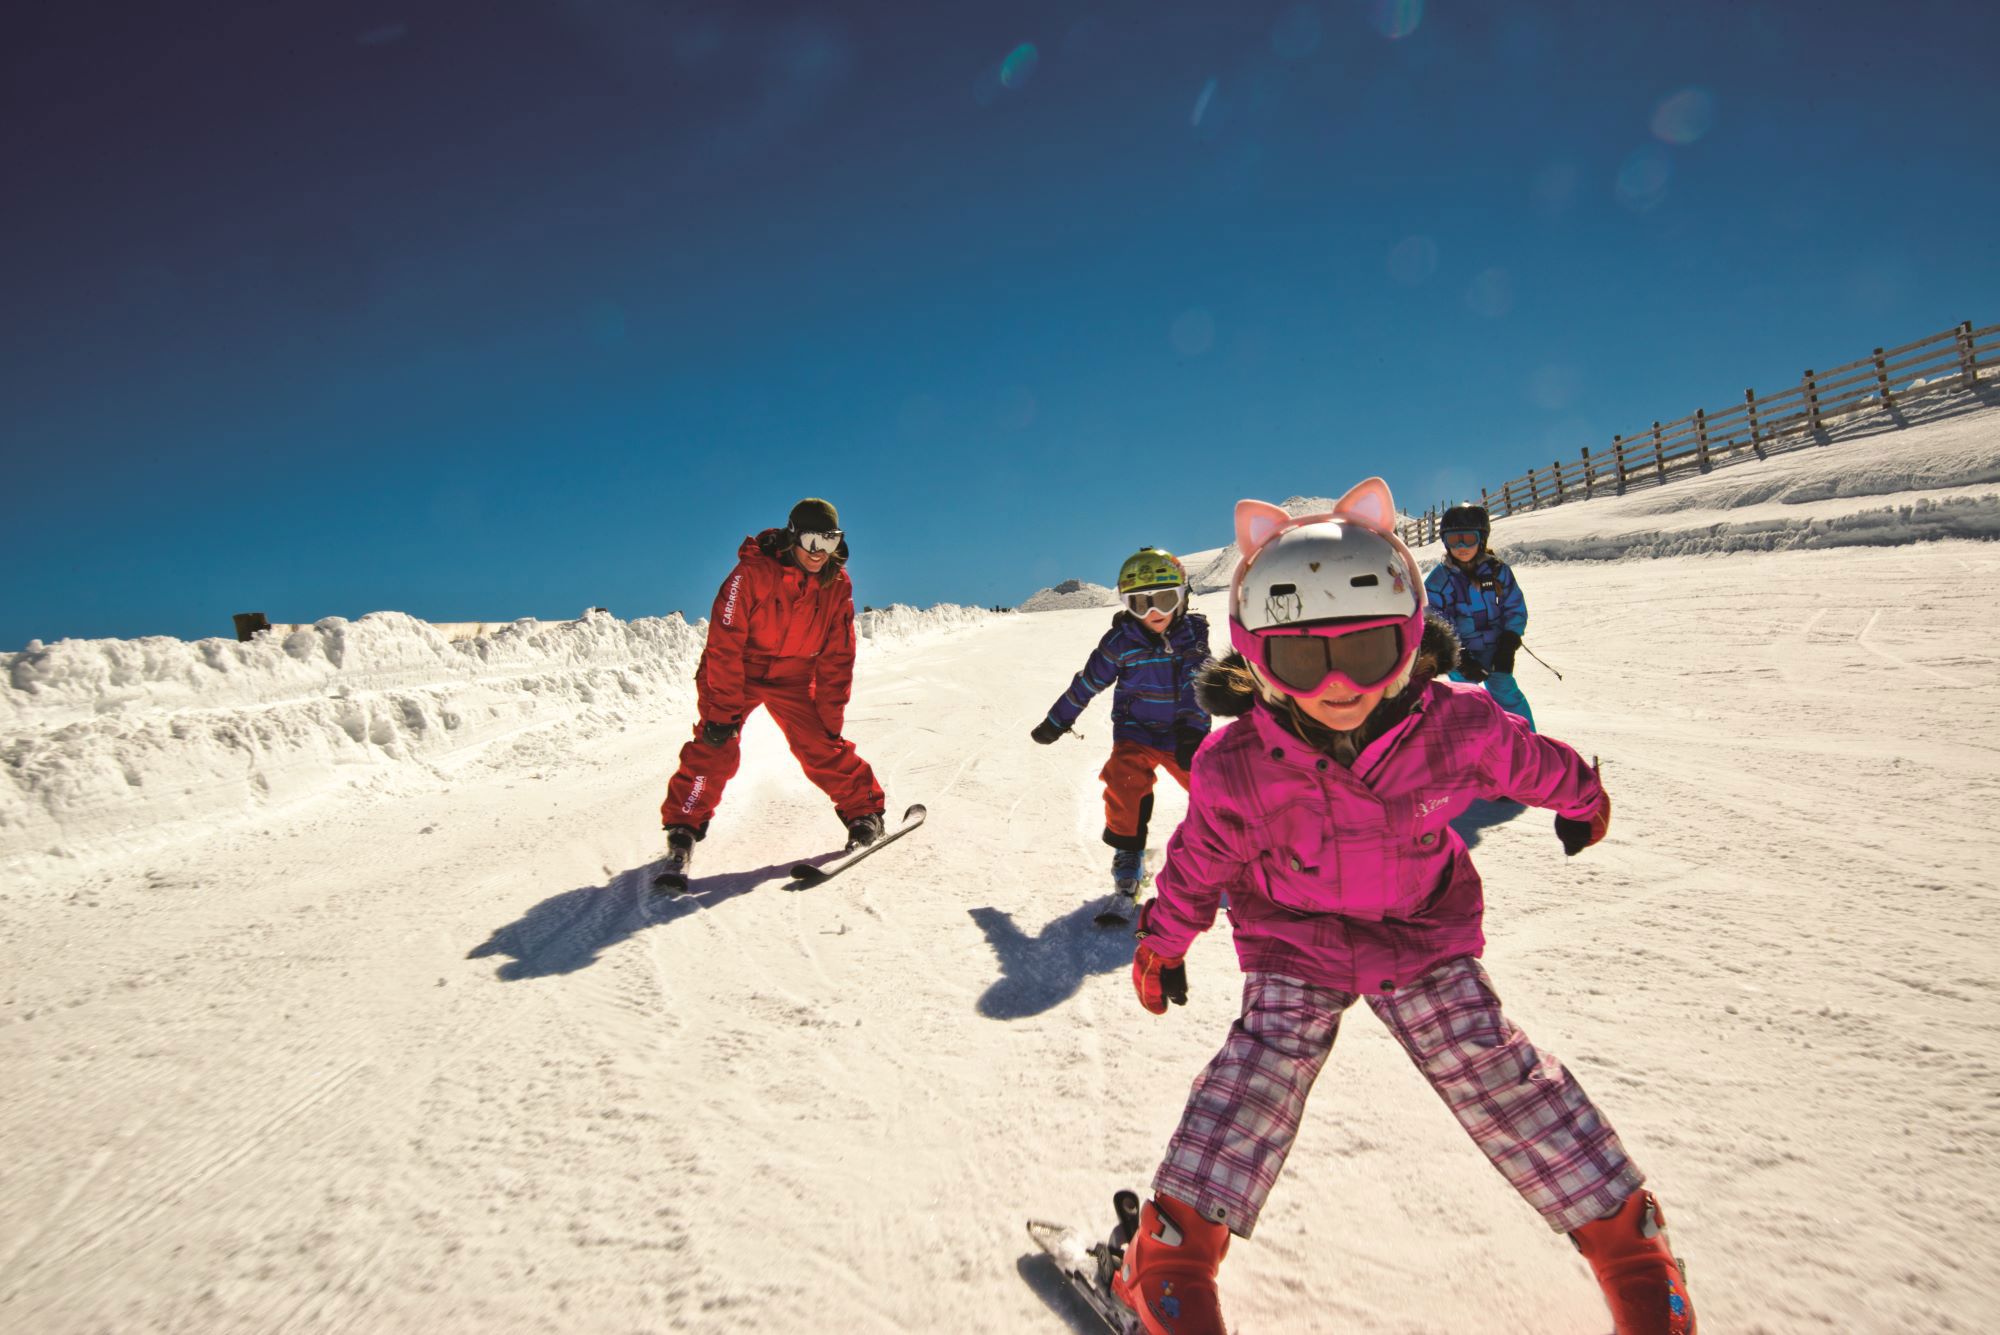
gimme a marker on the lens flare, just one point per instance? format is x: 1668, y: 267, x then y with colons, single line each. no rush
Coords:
x: 1201, y: 103
x: 1685, y: 116
x: 1193, y: 332
x: 1296, y: 33
x: 1491, y: 294
x: 1642, y: 180
x: 1414, y: 260
x: 1019, y: 66
x: 1396, y: 19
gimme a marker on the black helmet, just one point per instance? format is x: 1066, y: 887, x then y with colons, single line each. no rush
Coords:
x: 1466, y: 515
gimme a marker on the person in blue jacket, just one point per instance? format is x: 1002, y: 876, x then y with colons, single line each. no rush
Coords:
x: 1476, y: 591
x: 1151, y: 653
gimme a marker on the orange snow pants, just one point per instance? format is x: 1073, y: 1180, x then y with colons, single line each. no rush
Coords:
x: 829, y: 761
x: 1128, y: 791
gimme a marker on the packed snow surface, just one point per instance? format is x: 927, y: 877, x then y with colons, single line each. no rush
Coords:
x: 396, y: 1044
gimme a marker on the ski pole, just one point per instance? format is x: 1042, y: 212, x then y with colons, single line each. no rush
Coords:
x: 1538, y: 658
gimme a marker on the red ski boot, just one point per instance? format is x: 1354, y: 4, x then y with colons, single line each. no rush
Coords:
x: 1168, y: 1275
x: 1644, y: 1283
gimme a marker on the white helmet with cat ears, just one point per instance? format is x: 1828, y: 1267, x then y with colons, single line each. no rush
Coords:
x: 1340, y: 565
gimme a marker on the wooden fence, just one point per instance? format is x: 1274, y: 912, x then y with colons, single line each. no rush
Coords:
x: 1948, y: 362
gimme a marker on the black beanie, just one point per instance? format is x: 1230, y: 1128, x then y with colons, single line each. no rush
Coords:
x: 813, y: 515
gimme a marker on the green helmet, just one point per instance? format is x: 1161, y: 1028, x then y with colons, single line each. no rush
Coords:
x: 1150, y: 568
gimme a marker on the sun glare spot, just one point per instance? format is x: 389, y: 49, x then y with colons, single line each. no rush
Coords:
x: 1019, y: 66
x: 1296, y: 33
x: 1413, y: 260
x: 1397, y: 19
x: 1193, y: 332
x: 1491, y: 294
x: 1684, y: 117
x: 1201, y: 102
x: 1642, y: 180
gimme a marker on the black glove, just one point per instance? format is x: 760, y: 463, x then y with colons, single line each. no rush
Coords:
x: 1468, y: 668
x: 1577, y: 835
x: 1186, y: 742
x: 1046, y: 731
x: 715, y: 734
x: 1503, y: 651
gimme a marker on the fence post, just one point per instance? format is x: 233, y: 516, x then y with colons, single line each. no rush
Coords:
x: 1701, y: 436
x: 1882, y: 381
x: 1589, y: 476
x: 1659, y: 460
x: 1556, y: 467
x: 1618, y: 457
x: 1968, y: 368
x: 1506, y: 498
x: 248, y: 624
x: 1812, y: 402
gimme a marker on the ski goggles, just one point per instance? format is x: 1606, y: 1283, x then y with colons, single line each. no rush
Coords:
x: 1462, y: 537
x: 819, y: 542
x: 1302, y: 660
x: 1142, y: 601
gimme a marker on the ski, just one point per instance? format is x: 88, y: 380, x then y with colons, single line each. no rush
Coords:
x: 805, y: 874
x: 1088, y: 1265
x: 1119, y: 908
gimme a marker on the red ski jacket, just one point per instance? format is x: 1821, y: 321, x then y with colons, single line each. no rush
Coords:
x: 768, y: 611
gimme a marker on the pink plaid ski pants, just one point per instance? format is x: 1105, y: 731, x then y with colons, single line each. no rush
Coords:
x: 1523, y: 1109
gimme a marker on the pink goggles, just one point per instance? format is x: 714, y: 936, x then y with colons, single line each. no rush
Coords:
x: 1302, y: 660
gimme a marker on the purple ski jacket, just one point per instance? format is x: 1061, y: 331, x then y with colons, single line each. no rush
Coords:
x: 1353, y: 878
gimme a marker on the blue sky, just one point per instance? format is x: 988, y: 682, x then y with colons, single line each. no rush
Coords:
x: 481, y: 310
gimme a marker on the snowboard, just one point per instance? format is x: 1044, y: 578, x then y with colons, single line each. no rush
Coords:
x: 806, y: 875
x: 1088, y: 1265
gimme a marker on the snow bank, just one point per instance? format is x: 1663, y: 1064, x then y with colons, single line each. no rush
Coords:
x: 900, y: 624
x: 1071, y: 593
x: 115, y: 739
x: 1942, y: 474
x: 101, y: 739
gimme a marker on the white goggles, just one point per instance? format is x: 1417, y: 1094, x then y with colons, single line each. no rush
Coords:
x: 819, y: 542
x: 1142, y: 601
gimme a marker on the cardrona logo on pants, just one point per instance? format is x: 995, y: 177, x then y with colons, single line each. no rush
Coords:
x: 694, y: 791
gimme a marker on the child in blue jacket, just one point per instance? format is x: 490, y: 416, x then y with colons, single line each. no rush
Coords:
x: 1476, y: 591
x: 1152, y: 652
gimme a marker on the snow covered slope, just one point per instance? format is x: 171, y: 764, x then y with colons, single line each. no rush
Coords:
x: 411, y: 1055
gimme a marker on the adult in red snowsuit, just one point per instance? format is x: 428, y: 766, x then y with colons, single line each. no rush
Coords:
x: 781, y: 635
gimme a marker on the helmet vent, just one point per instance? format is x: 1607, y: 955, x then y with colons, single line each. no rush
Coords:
x: 1364, y: 582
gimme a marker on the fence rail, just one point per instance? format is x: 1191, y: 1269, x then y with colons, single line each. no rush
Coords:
x: 1798, y: 415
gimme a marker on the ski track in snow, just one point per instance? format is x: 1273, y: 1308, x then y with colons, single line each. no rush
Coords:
x: 423, y: 1052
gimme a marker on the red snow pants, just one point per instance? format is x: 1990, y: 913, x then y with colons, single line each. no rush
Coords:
x: 1128, y: 791
x: 829, y: 761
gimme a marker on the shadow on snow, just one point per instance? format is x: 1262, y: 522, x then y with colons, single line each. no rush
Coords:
x: 1484, y: 815
x: 567, y: 932
x: 1040, y: 972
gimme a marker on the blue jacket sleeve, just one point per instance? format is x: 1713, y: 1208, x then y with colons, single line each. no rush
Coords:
x: 1098, y: 673
x: 1437, y: 591
x: 1188, y: 658
x: 1513, y: 603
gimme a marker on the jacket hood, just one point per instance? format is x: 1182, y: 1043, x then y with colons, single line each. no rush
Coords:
x: 1225, y: 688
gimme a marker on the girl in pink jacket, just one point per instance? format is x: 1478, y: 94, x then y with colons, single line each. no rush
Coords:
x: 1324, y: 814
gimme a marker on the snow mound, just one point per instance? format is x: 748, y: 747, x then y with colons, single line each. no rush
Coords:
x: 1071, y: 593
x: 1941, y: 474
x: 101, y: 739
x: 900, y: 624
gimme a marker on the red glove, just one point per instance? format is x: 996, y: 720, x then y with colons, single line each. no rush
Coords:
x: 1578, y: 835
x: 1158, y: 979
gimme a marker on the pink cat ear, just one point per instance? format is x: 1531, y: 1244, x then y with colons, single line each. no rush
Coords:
x: 1368, y: 504
x: 1256, y: 523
